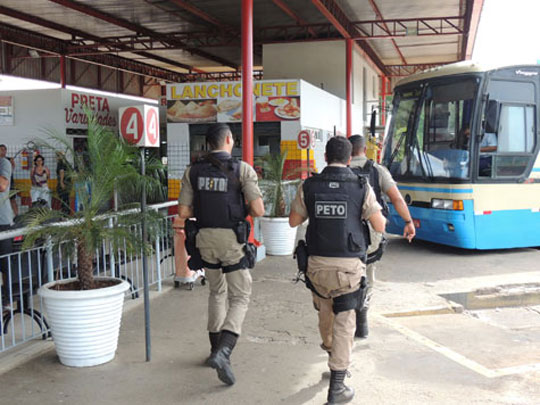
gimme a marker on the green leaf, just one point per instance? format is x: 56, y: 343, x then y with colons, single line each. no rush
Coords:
x: 110, y: 166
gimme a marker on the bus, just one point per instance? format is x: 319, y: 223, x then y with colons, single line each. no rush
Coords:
x: 462, y: 142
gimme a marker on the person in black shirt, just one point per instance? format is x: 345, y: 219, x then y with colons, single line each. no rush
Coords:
x: 63, y: 185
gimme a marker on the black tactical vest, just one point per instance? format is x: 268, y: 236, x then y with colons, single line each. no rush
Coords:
x: 334, y: 202
x: 218, y: 199
x: 370, y: 172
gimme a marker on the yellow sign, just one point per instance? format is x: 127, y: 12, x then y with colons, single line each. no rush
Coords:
x: 201, y: 91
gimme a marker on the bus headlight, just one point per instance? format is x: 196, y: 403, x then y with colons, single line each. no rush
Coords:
x: 442, y: 204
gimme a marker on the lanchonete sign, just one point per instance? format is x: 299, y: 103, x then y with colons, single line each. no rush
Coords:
x: 275, y: 100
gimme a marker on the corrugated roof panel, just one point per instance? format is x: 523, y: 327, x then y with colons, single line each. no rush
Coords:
x: 184, y: 56
x: 392, y: 9
x: 165, y: 16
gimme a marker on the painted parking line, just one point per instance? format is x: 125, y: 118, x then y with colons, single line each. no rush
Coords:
x: 455, y: 356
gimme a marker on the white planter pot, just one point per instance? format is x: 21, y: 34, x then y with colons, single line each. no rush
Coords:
x: 84, y: 324
x: 278, y: 236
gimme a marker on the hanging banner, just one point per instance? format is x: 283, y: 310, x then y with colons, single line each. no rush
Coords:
x: 275, y: 100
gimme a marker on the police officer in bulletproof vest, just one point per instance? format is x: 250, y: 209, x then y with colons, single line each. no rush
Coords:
x: 381, y: 181
x: 220, y: 192
x: 337, y: 203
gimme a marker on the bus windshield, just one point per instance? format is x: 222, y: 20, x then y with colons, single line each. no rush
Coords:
x: 429, y: 135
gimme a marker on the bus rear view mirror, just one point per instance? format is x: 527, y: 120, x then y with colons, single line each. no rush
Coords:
x: 492, y: 116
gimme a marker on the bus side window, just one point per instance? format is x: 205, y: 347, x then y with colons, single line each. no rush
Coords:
x: 508, y: 151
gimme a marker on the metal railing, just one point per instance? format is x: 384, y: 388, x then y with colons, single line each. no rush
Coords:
x: 23, y: 272
x: 289, y: 188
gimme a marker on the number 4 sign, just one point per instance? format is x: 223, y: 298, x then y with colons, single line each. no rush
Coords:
x: 139, y: 125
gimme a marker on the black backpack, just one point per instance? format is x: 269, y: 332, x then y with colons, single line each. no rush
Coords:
x: 370, y: 172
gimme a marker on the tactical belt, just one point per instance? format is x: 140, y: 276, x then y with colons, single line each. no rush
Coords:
x: 242, y: 264
x: 352, y: 300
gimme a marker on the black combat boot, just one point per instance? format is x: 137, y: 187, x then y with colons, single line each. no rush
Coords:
x: 339, y: 393
x: 221, y: 359
x: 214, y: 342
x: 361, y: 323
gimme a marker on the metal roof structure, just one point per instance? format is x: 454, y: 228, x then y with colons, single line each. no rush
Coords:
x: 148, y: 41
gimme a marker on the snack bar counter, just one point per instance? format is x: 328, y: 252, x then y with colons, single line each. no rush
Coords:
x: 281, y: 109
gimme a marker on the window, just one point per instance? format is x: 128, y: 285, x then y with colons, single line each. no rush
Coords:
x: 442, y: 142
x: 402, y: 121
x: 507, y: 152
x: 509, y: 137
x: 516, y: 129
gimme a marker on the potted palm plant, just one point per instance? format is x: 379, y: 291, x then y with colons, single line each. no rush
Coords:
x: 85, y: 312
x: 278, y: 236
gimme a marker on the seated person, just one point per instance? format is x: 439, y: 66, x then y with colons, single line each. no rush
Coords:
x: 489, y: 142
x: 463, y: 139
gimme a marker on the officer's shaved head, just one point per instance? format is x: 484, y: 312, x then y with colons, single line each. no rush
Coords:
x: 216, y: 135
x: 338, y: 150
x: 358, y: 143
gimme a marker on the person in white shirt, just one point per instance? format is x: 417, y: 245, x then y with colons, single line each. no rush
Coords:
x: 489, y: 142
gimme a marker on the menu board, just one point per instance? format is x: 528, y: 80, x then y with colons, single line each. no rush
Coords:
x: 222, y: 101
x: 6, y: 110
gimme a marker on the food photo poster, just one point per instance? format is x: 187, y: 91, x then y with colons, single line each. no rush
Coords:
x: 222, y: 102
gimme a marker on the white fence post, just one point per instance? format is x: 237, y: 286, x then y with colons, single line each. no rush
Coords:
x: 50, y: 262
x: 111, y: 252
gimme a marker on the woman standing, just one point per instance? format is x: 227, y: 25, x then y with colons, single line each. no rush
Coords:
x: 40, y: 175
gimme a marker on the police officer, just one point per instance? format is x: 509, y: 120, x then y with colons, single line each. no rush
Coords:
x: 336, y: 202
x: 220, y: 192
x: 382, y: 182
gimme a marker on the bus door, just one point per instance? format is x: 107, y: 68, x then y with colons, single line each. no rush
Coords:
x: 506, y: 147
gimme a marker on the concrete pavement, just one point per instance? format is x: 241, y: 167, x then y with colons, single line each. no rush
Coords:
x: 423, y: 352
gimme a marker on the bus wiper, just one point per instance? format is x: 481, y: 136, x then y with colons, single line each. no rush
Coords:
x: 396, y: 149
x: 422, y: 157
x: 428, y: 164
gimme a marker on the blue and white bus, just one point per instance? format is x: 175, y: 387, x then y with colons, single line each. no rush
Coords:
x: 462, y: 142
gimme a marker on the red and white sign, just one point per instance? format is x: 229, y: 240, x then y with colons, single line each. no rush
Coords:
x: 305, y: 139
x: 102, y: 107
x: 139, y: 125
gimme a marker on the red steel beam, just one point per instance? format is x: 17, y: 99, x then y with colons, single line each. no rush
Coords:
x: 380, y: 17
x: 407, y: 70
x: 345, y: 31
x: 398, y: 27
x: 440, y: 26
x: 72, y: 71
x: 113, y: 47
x: 54, y: 46
x: 472, y: 19
x: 299, y: 20
x: 199, y: 13
x: 247, y: 81
x: 331, y: 10
x: 120, y: 22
